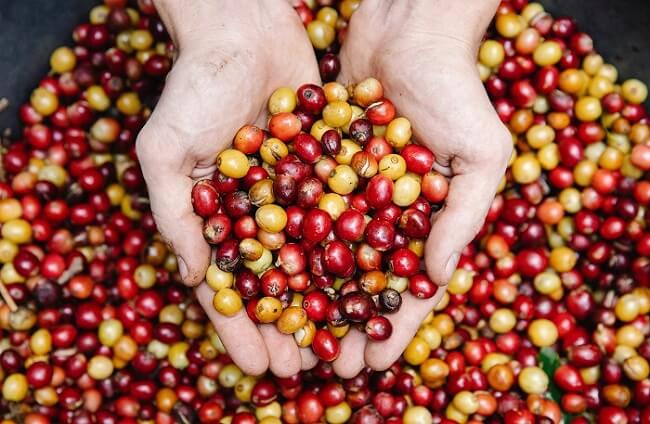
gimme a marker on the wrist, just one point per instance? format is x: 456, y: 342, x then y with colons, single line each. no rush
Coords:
x: 198, y: 25
x: 462, y: 21
x: 195, y: 23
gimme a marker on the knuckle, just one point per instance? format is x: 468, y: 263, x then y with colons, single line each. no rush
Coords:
x: 190, y: 284
x: 497, y: 148
x: 145, y: 144
x: 503, y: 141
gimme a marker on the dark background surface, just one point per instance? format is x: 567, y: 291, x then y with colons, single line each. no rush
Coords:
x: 31, y: 29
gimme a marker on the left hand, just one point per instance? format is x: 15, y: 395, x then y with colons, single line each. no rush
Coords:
x: 231, y: 57
x: 424, y: 53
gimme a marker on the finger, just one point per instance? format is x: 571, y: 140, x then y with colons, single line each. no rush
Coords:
x: 308, y: 358
x: 356, y: 59
x: 350, y: 361
x: 284, y: 356
x: 381, y: 355
x: 238, y: 333
x: 170, y: 189
x: 469, y: 198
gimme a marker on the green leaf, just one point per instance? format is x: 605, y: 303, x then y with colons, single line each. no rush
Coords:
x: 550, y: 361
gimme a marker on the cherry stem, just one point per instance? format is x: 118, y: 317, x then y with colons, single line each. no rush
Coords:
x: 75, y: 268
x: 7, y: 298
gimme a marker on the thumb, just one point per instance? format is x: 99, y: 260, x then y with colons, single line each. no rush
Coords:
x: 170, y: 188
x: 455, y: 226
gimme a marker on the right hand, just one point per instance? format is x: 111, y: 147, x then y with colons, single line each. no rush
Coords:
x: 231, y: 57
x: 425, y: 57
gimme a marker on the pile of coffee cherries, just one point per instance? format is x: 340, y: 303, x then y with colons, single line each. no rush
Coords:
x: 546, y: 318
x: 316, y: 228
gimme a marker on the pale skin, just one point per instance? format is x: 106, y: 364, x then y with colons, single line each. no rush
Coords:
x: 230, y: 60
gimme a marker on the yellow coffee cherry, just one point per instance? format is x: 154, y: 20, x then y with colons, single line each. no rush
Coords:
x: 320, y: 34
x: 547, y: 282
x: 17, y: 231
x: 177, y: 355
x: 549, y: 156
x: 348, y: 149
x: 531, y: 10
x: 328, y: 15
x: 509, y: 25
x: 233, y: 163
x: 337, y: 113
x: 44, y: 101
x: 466, y: 402
x: 227, y: 302
x: 63, y: 60
x: 526, y: 169
x: 629, y: 335
x: 110, y: 332
x: 588, y: 108
x: 399, y: 132
x: 268, y: 309
x: 542, y: 332
x: 547, y: 53
x: 634, y: 91
x: 141, y: 39
x: 271, y: 218
x: 272, y: 410
x: 563, y: 259
x: 502, y: 320
x: 417, y: 415
x: 129, y: 103
x: 627, y: 307
x: 407, y: 189
x: 335, y: 91
x: 592, y: 63
x: 417, y: 351
x: 539, y: 135
x: 461, y: 281
x: 338, y: 414
x: 392, y: 166
x: 14, y: 388
x: 218, y: 279
x: 636, y: 368
x: 319, y: 128
x: 343, y: 180
x: 533, y: 380
x: 97, y: 98
x: 10, y: 209
x: 41, y: 342
x: 100, y: 367
x: 230, y: 376
x: 491, y: 53
x: 282, y: 100
x: 333, y: 204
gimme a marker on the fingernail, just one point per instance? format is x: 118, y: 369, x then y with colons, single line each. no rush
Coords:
x: 182, y: 267
x: 451, y: 265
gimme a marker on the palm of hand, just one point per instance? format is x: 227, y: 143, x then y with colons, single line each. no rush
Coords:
x: 432, y: 79
x: 209, y: 94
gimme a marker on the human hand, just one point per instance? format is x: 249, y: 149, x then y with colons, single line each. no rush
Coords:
x: 231, y: 57
x: 424, y: 54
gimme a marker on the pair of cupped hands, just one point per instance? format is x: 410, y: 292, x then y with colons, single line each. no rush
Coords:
x: 232, y: 55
